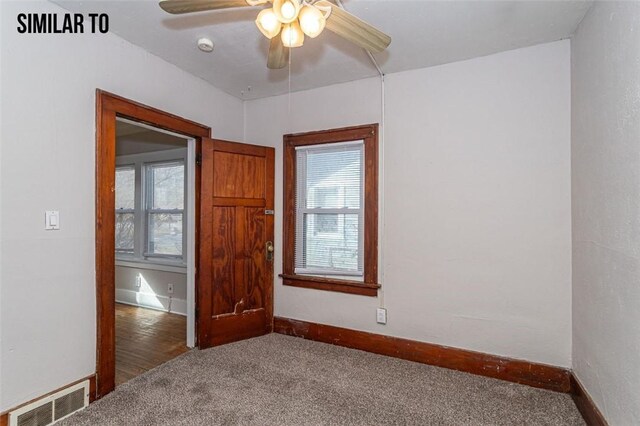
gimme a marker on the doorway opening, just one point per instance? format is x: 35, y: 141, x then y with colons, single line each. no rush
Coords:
x: 154, y: 268
x: 222, y: 222
x: 162, y: 245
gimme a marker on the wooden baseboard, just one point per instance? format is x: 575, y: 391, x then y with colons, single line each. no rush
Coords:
x: 513, y: 370
x: 590, y: 412
x: 4, y: 416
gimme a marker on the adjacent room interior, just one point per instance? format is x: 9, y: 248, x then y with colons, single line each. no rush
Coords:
x: 320, y: 212
x: 151, y: 241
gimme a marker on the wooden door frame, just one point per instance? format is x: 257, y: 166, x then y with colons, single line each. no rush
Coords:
x: 108, y: 107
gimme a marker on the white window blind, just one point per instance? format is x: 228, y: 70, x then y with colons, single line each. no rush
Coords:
x: 329, y: 203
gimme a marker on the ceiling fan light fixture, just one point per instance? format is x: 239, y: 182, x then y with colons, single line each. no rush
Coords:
x: 286, y: 10
x: 292, y: 35
x: 268, y: 23
x: 286, y: 22
x: 312, y: 21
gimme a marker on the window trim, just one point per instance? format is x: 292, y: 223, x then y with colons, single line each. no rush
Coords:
x: 369, y: 135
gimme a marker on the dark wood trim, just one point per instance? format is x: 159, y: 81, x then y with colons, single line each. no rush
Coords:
x: 369, y: 134
x: 512, y: 370
x: 342, y: 286
x: 242, y: 148
x: 108, y: 107
x: 4, y: 416
x: 371, y: 205
x: 206, y: 245
x: 105, y: 245
x: 93, y: 394
x: 343, y: 134
x: 590, y: 412
x: 152, y: 116
x: 289, y: 208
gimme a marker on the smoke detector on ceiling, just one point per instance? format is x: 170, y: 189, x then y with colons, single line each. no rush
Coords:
x: 205, y: 44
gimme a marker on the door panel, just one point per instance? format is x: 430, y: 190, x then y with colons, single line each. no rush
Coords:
x: 256, y: 261
x: 223, y: 253
x: 236, y: 280
x: 238, y: 176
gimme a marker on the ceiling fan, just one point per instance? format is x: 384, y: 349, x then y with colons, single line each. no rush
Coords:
x: 291, y: 20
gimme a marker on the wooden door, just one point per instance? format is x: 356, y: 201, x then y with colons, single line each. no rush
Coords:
x: 235, y: 291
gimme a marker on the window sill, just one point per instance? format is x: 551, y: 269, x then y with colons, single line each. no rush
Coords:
x: 329, y: 284
x: 156, y: 266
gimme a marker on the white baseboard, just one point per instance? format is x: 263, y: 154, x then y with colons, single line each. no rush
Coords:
x: 151, y: 301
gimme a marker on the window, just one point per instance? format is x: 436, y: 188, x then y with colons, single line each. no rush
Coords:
x: 150, y: 207
x: 125, y: 209
x: 165, y: 209
x: 329, y: 213
x: 331, y: 196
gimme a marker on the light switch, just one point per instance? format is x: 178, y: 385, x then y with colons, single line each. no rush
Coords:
x: 51, y: 220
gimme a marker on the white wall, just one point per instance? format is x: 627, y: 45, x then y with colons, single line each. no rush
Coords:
x: 476, y: 202
x: 606, y: 208
x: 147, y: 286
x: 47, y: 311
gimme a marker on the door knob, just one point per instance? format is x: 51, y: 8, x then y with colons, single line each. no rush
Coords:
x: 270, y: 251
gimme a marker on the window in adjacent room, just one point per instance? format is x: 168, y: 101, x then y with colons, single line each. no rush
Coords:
x: 165, y: 209
x: 125, y: 209
x: 150, y: 209
x: 331, y: 210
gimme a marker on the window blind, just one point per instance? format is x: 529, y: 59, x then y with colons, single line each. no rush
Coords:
x: 329, y: 203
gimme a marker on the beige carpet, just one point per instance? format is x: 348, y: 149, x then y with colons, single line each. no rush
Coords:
x: 280, y: 380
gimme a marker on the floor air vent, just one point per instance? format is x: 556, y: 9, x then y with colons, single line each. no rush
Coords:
x: 52, y: 408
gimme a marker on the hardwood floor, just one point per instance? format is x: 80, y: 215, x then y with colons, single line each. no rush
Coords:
x: 146, y: 338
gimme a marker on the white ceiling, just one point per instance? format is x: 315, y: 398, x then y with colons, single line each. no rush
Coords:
x: 424, y: 33
x: 135, y: 139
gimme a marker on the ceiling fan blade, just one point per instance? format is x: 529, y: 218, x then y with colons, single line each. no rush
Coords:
x: 188, y: 6
x: 354, y: 29
x: 278, y: 54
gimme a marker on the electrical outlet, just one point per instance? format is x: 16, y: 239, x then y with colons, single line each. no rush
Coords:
x: 170, y: 288
x: 138, y: 280
x: 381, y: 316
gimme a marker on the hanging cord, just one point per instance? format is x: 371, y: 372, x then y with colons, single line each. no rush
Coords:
x: 381, y: 220
x: 381, y: 223
x: 289, y: 92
